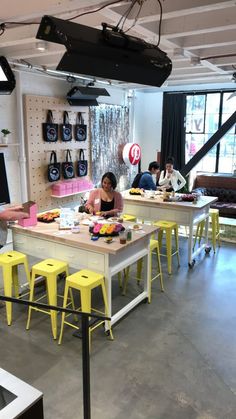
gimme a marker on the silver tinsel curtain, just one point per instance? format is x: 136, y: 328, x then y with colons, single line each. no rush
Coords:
x: 109, y: 131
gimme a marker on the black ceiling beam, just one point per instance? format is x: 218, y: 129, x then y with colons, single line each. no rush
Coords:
x: 209, y: 144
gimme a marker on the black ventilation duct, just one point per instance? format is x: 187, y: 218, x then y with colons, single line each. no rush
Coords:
x: 106, y: 53
x: 7, y: 78
x: 85, y: 96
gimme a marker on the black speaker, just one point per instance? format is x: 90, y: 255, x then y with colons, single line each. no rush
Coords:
x: 106, y: 54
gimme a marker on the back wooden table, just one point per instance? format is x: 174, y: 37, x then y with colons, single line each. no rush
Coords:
x: 183, y: 213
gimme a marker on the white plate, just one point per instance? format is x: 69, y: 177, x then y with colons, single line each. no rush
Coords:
x: 140, y: 227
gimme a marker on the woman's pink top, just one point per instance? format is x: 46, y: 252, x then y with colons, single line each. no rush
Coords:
x: 95, y: 200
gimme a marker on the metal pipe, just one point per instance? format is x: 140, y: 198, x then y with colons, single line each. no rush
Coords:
x: 20, y: 131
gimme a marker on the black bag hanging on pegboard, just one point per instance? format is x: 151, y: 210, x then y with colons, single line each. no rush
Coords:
x: 82, y: 164
x: 53, y: 168
x: 66, y: 128
x: 50, y: 129
x: 68, y: 167
x: 80, y: 128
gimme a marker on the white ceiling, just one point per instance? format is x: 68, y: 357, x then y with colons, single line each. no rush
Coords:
x: 198, y: 35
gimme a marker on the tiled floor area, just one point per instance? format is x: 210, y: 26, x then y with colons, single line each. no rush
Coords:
x: 172, y: 359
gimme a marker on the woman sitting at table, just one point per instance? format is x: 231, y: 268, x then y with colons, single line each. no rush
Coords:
x: 171, y: 179
x: 105, y: 200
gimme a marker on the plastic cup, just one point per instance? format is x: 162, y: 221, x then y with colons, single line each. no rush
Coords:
x: 123, y: 237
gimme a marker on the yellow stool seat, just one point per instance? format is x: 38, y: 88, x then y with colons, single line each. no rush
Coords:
x: 50, y: 269
x: 215, y: 227
x: 168, y: 227
x: 84, y: 281
x: 154, y: 247
x: 129, y: 217
x: 9, y: 261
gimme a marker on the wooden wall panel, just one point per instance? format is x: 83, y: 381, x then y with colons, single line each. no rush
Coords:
x: 38, y: 151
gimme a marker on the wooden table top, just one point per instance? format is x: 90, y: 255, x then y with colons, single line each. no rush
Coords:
x: 82, y: 239
x: 157, y: 201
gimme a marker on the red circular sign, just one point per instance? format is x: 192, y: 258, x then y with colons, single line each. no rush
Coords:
x: 132, y: 153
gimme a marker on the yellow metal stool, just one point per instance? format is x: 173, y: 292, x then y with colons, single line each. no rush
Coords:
x: 215, y: 228
x: 128, y: 217
x: 50, y: 269
x: 168, y: 227
x: 9, y: 261
x: 154, y: 247
x: 84, y: 281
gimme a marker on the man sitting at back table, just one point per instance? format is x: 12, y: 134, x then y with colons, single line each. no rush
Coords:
x: 146, y: 182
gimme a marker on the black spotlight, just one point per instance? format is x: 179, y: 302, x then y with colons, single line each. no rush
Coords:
x: 7, y: 78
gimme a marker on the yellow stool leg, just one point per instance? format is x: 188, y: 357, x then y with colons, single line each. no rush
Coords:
x: 139, y: 269
x: 64, y: 314
x: 196, y: 235
x: 7, y: 275
x: 15, y: 280
x: 31, y: 298
x: 202, y: 225
x: 85, y: 300
x: 169, y: 249
x: 177, y: 244
x: 160, y: 235
x: 159, y: 267
x: 120, y: 279
x: 213, y: 229
x: 52, y: 300
x: 27, y: 271
x: 126, y: 278
x: 106, y: 308
x: 218, y: 229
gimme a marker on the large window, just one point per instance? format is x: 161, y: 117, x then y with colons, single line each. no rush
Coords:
x: 205, y: 113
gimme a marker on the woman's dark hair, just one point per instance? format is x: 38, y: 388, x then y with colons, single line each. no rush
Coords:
x: 170, y: 160
x: 112, y: 179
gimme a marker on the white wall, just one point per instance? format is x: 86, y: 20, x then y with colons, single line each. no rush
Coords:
x: 147, y: 124
x: 10, y: 117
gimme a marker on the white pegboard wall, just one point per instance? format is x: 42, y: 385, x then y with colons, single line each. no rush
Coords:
x: 38, y: 151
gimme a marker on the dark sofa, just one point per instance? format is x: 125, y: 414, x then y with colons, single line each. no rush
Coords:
x: 222, y: 186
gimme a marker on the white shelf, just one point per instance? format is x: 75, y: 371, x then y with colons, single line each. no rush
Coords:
x: 71, y: 194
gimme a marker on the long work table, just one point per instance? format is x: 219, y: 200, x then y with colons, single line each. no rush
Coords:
x: 47, y: 241
x: 183, y: 213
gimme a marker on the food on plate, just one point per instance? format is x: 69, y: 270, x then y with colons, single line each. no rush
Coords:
x: 136, y: 227
x: 108, y: 239
x: 188, y: 197
x: 110, y: 229
x: 135, y: 191
x: 48, y: 217
x: 97, y: 228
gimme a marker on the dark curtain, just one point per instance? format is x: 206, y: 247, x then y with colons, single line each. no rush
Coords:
x: 173, y: 129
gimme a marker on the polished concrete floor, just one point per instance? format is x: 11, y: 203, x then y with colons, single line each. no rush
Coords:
x: 172, y: 359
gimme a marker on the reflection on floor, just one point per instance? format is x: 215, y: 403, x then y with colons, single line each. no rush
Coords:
x: 172, y: 359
